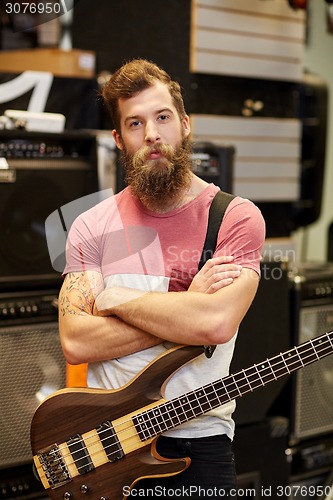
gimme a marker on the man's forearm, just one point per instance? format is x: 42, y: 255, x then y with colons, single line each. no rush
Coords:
x: 86, y: 338
x: 177, y: 317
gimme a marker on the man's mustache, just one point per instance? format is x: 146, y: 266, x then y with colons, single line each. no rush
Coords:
x: 144, y: 153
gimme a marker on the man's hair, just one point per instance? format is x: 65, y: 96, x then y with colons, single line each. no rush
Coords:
x: 134, y: 77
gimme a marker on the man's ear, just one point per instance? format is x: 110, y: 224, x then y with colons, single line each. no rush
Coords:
x: 186, y: 125
x: 117, y: 139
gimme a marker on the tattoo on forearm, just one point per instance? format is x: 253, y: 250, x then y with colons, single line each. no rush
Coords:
x: 78, y: 296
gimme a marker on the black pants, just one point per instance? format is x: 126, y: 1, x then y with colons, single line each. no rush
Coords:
x: 211, y: 473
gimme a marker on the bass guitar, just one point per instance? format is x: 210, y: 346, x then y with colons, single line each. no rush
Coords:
x: 90, y: 444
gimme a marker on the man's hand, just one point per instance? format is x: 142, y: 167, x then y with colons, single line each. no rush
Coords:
x: 217, y: 273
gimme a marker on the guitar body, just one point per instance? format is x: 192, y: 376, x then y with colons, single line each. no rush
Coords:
x: 71, y: 412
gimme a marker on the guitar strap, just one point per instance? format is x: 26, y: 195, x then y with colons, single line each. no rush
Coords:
x: 215, y: 216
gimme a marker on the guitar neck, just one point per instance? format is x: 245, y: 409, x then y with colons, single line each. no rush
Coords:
x: 168, y: 415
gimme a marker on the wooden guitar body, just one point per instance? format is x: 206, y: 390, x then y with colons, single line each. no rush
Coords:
x: 72, y: 412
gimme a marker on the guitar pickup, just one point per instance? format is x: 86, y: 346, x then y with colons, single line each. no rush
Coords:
x: 80, y: 454
x: 110, y: 441
x: 54, y: 466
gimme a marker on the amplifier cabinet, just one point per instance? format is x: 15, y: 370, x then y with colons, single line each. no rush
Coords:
x: 42, y: 173
x: 312, y: 315
x: 32, y: 366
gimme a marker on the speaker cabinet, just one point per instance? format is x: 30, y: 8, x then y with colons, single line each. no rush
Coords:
x: 312, y: 386
x: 263, y: 333
x: 32, y: 366
x: 313, y: 396
x: 45, y: 172
x: 311, y: 469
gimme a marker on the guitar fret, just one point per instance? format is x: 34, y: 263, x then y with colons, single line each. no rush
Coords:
x: 205, y: 402
x: 154, y: 422
x: 261, y: 380
x: 241, y: 383
x: 141, y: 427
x: 195, y: 403
x: 187, y: 408
x: 271, y: 368
x: 329, y: 339
x: 281, y: 368
x: 159, y: 419
x: 237, y: 388
x: 214, y: 393
x: 173, y: 416
x: 247, y: 380
x: 252, y: 377
x: 225, y: 392
x: 308, y: 352
x: 285, y: 363
x: 289, y: 362
x: 314, y: 349
x: 299, y: 357
x: 324, y: 348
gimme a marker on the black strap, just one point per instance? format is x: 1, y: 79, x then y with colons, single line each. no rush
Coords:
x: 215, y: 216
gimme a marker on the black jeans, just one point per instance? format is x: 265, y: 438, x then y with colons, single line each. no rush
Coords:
x: 211, y: 473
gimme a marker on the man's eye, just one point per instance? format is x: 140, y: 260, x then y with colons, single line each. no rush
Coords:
x: 163, y: 117
x: 135, y: 123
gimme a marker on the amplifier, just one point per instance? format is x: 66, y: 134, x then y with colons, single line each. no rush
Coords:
x: 39, y: 173
x: 214, y: 164
x: 32, y: 367
x: 312, y: 315
x: 311, y: 469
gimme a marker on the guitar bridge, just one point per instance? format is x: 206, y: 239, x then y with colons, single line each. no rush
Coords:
x: 54, y: 467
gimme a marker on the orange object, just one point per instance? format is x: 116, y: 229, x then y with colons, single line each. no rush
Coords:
x: 76, y: 375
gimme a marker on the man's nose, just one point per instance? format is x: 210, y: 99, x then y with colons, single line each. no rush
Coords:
x: 151, y: 133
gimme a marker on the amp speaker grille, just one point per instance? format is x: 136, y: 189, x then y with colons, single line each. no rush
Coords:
x: 32, y: 366
x: 314, y: 383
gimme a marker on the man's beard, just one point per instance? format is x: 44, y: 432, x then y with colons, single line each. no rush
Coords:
x: 159, y: 183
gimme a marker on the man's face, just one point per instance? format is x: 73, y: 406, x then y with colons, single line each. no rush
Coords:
x: 155, y: 147
x: 149, y: 118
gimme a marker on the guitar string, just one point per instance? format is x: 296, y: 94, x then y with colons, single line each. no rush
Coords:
x: 280, y: 357
x: 292, y: 355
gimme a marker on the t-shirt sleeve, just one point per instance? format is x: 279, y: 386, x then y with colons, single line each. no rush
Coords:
x: 82, y: 249
x: 242, y: 234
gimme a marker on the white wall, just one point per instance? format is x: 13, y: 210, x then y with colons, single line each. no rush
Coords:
x: 319, y: 59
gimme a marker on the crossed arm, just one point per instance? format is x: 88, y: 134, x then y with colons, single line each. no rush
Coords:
x: 97, y: 324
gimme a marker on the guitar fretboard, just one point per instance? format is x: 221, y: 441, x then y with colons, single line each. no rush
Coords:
x: 192, y: 404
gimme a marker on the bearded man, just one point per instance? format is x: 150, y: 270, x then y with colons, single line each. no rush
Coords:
x: 132, y: 290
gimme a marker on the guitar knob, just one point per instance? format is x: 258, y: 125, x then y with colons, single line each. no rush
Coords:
x: 84, y: 488
x: 67, y: 495
x: 103, y: 498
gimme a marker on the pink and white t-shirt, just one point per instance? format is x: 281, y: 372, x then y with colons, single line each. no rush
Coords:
x: 134, y: 247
